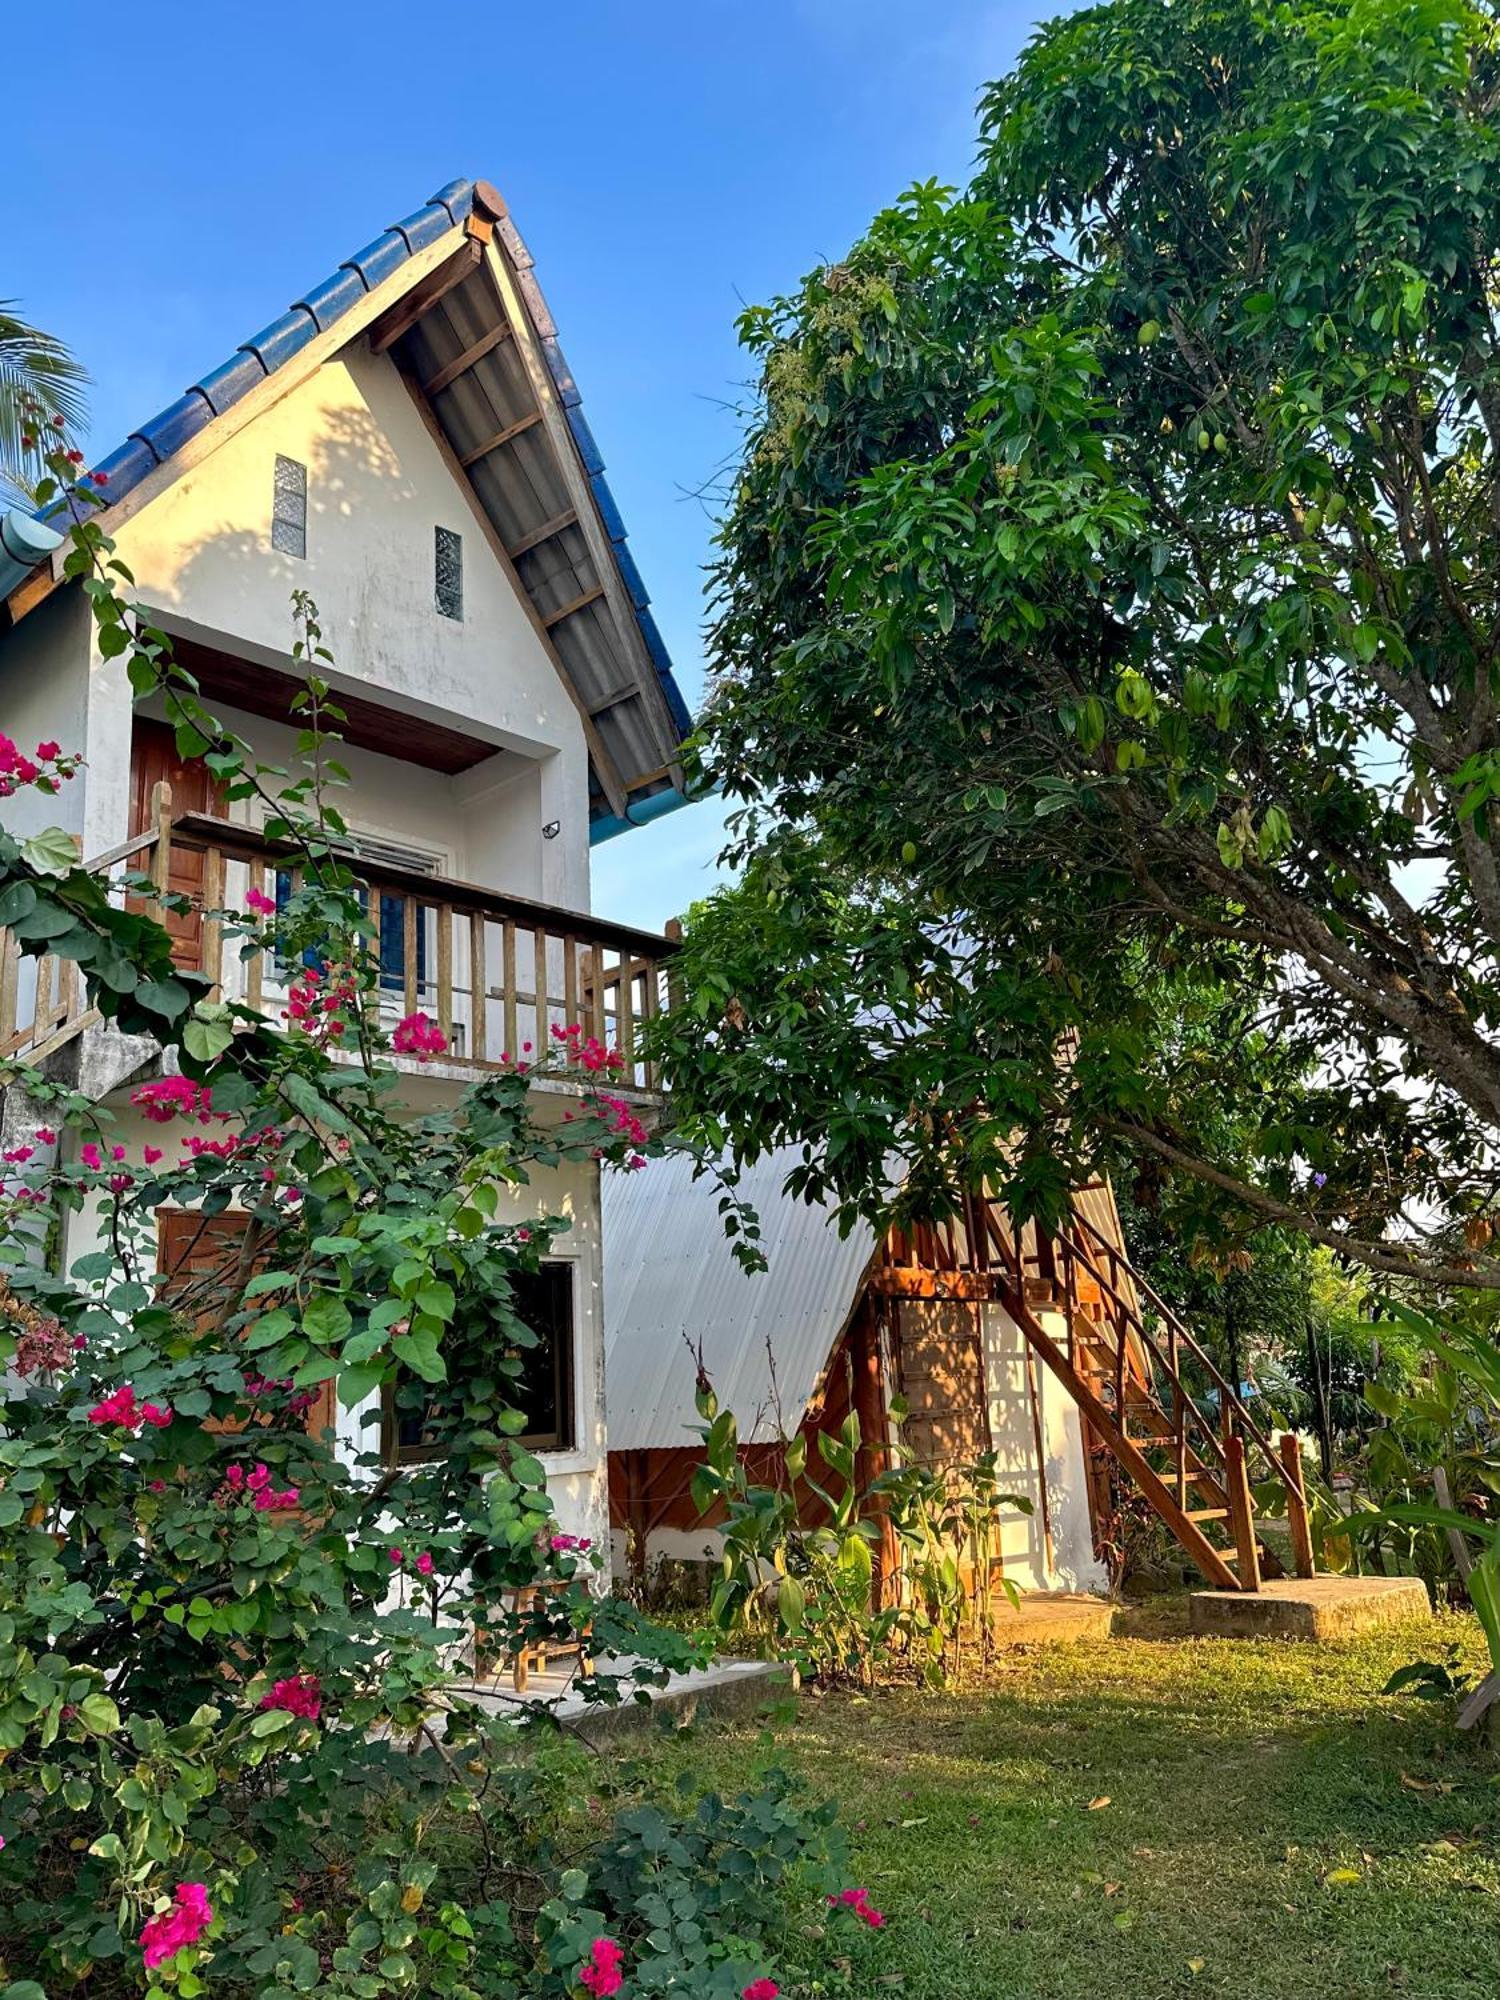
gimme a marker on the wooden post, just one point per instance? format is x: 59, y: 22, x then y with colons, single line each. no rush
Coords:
x: 445, y: 971
x: 409, y: 921
x: 874, y: 1442
x: 212, y: 962
x: 1241, y: 1512
x: 1296, y: 1505
x: 161, y: 852
x: 479, y: 988
x: 510, y: 1029
x: 672, y: 929
x: 539, y: 981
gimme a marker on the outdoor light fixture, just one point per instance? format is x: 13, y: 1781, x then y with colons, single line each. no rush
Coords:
x: 552, y: 829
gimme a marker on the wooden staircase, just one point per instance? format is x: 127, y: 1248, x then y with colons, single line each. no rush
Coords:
x: 1128, y: 1360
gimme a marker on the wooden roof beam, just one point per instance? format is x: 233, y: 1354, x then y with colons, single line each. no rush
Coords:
x: 501, y: 437
x: 462, y: 363
x: 545, y: 532
x: 579, y: 603
x: 403, y: 316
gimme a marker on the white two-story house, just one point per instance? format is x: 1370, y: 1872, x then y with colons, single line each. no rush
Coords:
x: 405, y: 443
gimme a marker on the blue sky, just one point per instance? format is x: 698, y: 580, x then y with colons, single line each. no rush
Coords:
x: 192, y: 169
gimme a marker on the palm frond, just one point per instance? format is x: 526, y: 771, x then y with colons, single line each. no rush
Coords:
x: 34, y: 366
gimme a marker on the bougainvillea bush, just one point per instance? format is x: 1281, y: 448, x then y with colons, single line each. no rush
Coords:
x: 231, y: 1760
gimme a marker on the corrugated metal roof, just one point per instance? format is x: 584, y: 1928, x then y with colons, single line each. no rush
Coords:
x: 520, y: 487
x: 672, y: 1287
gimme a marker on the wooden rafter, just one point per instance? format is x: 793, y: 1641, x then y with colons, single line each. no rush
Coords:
x: 500, y: 437
x: 545, y: 532
x: 462, y: 363
x: 403, y: 316
x: 579, y: 603
x: 622, y: 611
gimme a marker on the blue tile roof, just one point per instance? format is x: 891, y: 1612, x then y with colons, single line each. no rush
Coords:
x: 154, y: 442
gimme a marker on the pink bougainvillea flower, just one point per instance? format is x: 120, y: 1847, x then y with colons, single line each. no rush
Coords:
x: 173, y: 1929
x: 419, y: 1037
x: 424, y: 1564
x: 761, y: 1989
x: 397, y: 1556
x: 262, y: 904
x: 91, y: 1156
x: 857, y: 1902
x: 119, y: 1408
x: 151, y: 1154
x: 48, y: 752
x: 301, y: 1694
x: 18, y: 1156
x: 566, y: 1545
x: 601, y: 1974
x: 170, y: 1097
x: 46, y: 1136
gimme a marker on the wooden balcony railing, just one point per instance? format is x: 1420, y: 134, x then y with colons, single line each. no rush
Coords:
x: 496, y: 972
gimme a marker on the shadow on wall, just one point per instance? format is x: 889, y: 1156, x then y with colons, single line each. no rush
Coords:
x: 234, y: 579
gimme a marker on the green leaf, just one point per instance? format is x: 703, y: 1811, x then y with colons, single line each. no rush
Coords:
x: 99, y: 1715
x: 52, y: 852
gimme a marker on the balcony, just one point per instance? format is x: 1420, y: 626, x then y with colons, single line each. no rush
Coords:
x: 496, y: 972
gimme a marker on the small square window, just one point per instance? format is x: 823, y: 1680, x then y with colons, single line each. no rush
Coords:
x: 449, y: 593
x: 289, y: 508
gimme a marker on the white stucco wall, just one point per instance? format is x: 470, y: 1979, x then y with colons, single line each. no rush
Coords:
x: 44, y: 663
x: 376, y: 490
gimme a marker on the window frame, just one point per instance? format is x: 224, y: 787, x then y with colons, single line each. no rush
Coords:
x: 455, y: 538
x: 565, y: 1371
x: 281, y: 519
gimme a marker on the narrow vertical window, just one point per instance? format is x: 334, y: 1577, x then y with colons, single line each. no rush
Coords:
x: 450, y: 573
x: 289, y: 508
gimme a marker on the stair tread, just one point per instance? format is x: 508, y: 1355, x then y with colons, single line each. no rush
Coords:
x: 1208, y: 1513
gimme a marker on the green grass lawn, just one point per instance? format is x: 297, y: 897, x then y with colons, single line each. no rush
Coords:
x: 1152, y: 1815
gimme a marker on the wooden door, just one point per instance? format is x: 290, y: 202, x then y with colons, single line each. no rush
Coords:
x: 154, y: 758
x: 191, y: 1248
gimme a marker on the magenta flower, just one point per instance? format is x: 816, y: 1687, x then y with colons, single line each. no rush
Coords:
x: 424, y: 1564
x: 397, y: 1557
x: 262, y: 904
x: 857, y: 1902
x: 121, y: 1408
x: 301, y: 1695
x: 601, y: 1974
x: 419, y: 1037
x: 761, y: 1989
x: 181, y: 1925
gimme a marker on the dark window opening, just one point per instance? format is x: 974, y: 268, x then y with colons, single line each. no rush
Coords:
x: 289, y: 508
x: 543, y: 1301
x: 449, y: 592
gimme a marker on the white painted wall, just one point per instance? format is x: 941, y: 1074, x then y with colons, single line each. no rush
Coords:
x: 44, y: 664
